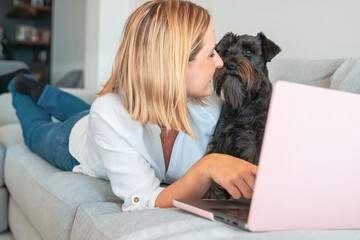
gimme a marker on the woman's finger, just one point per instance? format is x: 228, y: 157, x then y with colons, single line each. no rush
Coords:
x: 233, y: 191
x: 249, y: 179
x: 245, y: 190
x: 253, y: 169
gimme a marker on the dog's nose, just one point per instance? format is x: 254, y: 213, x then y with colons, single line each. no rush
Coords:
x: 231, y: 65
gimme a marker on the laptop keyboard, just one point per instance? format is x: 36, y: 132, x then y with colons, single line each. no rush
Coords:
x: 241, y: 213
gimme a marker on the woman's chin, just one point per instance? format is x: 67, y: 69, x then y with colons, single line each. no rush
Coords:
x: 205, y: 93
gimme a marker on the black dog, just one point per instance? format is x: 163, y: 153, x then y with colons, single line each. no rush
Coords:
x: 244, y: 86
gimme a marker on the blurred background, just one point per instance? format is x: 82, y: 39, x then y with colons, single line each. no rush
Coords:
x: 58, y: 37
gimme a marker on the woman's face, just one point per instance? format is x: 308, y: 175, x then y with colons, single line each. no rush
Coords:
x: 200, y: 70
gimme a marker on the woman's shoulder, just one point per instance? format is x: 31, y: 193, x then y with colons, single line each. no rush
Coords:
x: 106, y: 99
x: 109, y: 103
x: 109, y: 108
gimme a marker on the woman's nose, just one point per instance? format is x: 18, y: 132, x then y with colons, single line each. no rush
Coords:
x: 218, y: 61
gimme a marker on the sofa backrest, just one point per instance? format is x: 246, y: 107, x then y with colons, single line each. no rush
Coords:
x: 310, y: 72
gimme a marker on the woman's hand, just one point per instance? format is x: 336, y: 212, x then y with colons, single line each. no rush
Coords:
x: 235, y: 175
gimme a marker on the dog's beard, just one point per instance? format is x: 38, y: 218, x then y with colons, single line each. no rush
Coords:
x: 220, y: 78
x: 240, y: 85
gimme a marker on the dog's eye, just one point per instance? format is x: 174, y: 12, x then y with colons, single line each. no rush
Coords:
x: 225, y: 52
x: 249, y: 53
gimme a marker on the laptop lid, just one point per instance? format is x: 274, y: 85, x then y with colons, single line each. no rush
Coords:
x: 310, y: 162
x: 309, y: 167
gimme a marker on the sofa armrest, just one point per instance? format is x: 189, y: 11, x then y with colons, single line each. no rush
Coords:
x: 8, y: 115
x: 7, y: 111
x: 8, y: 66
x: 2, y: 159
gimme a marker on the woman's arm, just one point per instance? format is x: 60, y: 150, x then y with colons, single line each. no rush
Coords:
x: 235, y: 175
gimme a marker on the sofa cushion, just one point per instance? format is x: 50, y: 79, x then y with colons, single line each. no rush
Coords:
x: 47, y: 195
x: 106, y: 221
x: 347, y: 76
x: 311, y: 72
x: 3, y: 209
x: 19, y: 225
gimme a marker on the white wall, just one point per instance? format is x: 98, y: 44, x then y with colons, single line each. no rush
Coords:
x: 91, y: 58
x: 303, y: 29
x: 312, y: 29
x: 68, y: 37
x: 105, y: 21
x: 113, y: 15
x: 86, y: 35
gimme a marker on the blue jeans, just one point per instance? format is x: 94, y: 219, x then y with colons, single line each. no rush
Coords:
x: 49, y: 139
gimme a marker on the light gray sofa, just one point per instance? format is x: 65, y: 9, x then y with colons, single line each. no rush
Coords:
x: 39, y: 201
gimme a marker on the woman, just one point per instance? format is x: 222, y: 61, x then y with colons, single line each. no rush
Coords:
x: 151, y: 122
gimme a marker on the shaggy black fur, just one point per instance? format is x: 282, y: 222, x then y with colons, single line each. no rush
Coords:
x: 244, y: 86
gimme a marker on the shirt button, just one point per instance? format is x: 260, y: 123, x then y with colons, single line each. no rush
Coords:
x: 136, y: 199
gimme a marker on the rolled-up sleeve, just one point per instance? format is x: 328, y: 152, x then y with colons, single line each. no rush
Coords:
x: 131, y: 176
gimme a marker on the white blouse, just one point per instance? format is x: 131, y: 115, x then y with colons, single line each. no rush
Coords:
x: 108, y: 144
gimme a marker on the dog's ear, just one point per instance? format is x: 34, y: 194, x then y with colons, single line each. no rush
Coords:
x: 270, y: 49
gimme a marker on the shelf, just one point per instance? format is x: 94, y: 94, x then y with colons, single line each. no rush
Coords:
x: 30, y: 34
x: 28, y: 11
x: 32, y: 43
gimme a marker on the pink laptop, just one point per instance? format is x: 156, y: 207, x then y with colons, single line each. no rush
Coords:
x: 309, y: 169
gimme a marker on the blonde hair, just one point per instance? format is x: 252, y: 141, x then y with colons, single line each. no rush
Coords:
x: 159, y: 40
